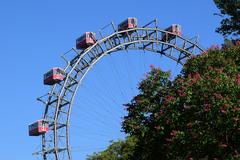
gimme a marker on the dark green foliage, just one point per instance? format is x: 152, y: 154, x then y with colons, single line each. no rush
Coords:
x: 230, y: 10
x: 210, y: 108
x: 144, y: 115
x: 195, y: 117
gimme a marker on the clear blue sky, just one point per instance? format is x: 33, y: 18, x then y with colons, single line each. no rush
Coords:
x: 33, y: 34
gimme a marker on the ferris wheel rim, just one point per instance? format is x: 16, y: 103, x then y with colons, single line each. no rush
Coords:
x: 72, y: 65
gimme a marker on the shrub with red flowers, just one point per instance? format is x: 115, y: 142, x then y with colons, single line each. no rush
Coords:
x: 196, y: 116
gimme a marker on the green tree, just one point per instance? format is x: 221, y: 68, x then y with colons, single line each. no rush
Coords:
x: 119, y: 150
x: 144, y: 119
x: 196, y: 116
x: 230, y: 10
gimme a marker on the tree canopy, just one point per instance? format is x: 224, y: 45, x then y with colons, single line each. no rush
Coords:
x: 119, y: 150
x: 230, y: 11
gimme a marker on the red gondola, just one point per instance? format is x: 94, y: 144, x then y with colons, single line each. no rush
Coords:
x: 175, y: 28
x: 86, y: 40
x: 129, y: 23
x: 54, y: 76
x: 38, y: 128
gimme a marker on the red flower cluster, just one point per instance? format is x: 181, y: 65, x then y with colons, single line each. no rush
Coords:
x: 217, y: 80
x: 238, y: 79
x: 223, y: 109
x: 181, y: 93
x: 218, y: 95
x: 196, y: 76
x: 206, y: 107
x: 157, y: 127
x: 190, y: 158
x: 173, y: 133
x: 152, y: 66
x: 169, y: 121
x: 189, y: 125
x: 219, y: 70
x: 236, y: 109
x: 214, y: 47
x: 169, y: 99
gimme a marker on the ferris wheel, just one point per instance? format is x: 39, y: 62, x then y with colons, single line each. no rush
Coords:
x: 54, y: 127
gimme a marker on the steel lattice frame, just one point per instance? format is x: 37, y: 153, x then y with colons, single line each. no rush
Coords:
x: 58, y: 102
